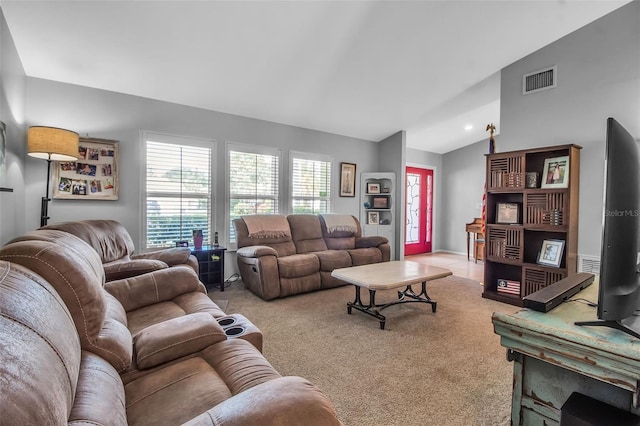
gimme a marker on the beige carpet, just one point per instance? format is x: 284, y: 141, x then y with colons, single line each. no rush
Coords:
x: 446, y: 368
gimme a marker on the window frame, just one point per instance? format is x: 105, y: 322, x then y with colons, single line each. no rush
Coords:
x: 309, y: 156
x: 150, y: 136
x: 250, y: 149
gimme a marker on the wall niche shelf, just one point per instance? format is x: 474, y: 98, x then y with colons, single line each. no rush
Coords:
x: 377, y: 215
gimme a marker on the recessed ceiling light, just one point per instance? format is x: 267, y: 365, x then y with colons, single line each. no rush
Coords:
x: 468, y: 127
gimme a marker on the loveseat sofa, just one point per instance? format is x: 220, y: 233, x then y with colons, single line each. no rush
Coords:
x: 111, y: 240
x: 69, y: 353
x: 279, y: 255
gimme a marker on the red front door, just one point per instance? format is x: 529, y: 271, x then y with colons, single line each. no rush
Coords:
x: 418, y: 216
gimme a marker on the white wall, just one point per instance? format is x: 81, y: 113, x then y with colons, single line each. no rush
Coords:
x: 392, y: 152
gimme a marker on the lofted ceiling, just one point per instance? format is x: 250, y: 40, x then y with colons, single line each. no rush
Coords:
x: 365, y: 69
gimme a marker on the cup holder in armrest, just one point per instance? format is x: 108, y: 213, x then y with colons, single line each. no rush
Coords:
x: 226, y: 321
x: 234, y: 331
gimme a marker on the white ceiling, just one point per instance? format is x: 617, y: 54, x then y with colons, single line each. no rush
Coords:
x: 364, y: 69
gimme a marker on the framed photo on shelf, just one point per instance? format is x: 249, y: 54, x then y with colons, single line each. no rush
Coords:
x: 373, y: 188
x: 373, y: 218
x: 551, y: 253
x: 531, y: 179
x: 508, y: 213
x: 555, y: 173
x: 347, y: 180
x: 93, y: 176
x: 380, y: 203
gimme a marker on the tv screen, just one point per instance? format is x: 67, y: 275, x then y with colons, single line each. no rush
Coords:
x: 619, y: 291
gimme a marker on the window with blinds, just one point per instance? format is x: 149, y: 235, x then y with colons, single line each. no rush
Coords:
x: 178, y: 191
x: 310, y: 183
x: 253, y: 183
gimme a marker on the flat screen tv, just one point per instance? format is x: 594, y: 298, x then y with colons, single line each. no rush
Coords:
x: 619, y: 291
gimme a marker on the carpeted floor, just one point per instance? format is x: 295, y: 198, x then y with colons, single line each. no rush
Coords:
x: 446, y: 368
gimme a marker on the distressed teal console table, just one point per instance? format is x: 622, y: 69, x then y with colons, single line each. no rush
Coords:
x: 553, y: 358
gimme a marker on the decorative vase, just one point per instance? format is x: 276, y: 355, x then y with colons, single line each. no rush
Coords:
x: 197, y: 239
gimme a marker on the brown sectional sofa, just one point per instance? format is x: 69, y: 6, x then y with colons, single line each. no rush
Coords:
x: 300, y: 251
x: 111, y: 240
x: 150, y: 349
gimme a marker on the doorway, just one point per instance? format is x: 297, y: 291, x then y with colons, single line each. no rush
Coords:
x: 418, y: 211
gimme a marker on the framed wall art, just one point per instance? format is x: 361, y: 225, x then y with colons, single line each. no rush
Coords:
x: 373, y: 188
x: 347, y: 180
x: 93, y: 176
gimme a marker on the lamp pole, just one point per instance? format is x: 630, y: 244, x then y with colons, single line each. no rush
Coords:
x: 44, y: 209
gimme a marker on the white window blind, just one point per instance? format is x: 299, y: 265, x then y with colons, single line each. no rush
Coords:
x: 310, y: 184
x: 178, y: 193
x: 253, y: 185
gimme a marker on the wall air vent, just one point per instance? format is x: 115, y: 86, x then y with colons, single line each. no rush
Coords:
x: 589, y: 264
x: 540, y: 80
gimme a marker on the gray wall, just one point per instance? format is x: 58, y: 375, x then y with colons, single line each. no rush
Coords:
x: 598, y: 77
x: 116, y: 116
x: 463, y: 176
x: 393, y: 159
x: 12, y: 113
x: 430, y: 160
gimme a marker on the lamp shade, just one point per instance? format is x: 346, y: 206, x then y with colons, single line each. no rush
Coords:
x: 51, y: 143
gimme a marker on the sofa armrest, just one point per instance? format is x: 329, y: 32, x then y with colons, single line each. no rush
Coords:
x: 154, y: 287
x: 175, y: 338
x: 170, y: 256
x: 286, y: 400
x: 372, y: 241
x: 130, y: 268
x: 256, y: 251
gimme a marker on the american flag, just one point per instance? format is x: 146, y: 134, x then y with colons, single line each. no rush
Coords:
x: 510, y: 287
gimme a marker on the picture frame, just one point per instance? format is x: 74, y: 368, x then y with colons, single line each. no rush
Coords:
x: 380, y: 202
x: 551, y: 253
x: 556, y: 172
x: 508, y: 213
x: 531, y: 179
x: 373, y: 218
x: 373, y: 188
x: 347, y: 180
x: 93, y: 176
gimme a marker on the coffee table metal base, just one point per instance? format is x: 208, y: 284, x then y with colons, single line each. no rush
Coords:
x: 405, y: 296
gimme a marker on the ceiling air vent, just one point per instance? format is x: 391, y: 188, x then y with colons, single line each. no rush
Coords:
x: 540, y: 80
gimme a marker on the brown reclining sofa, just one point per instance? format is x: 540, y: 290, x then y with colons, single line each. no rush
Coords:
x: 111, y: 240
x: 71, y: 352
x: 284, y: 255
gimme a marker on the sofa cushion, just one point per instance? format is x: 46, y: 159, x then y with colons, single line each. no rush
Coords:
x: 333, y: 259
x: 75, y: 272
x: 298, y: 265
x: 183, y: 390
x: 365, y: 256
x: 109, y: 238
x: 39, y: 348
x: 283, y: 245
x: 306, y: 233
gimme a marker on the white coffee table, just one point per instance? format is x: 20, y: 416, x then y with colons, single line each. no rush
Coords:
x: 387, y: 276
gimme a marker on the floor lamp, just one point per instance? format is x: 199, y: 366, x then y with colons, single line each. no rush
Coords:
x: 51, y: 144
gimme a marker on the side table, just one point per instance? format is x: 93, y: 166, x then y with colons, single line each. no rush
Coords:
x: 211, y: 265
